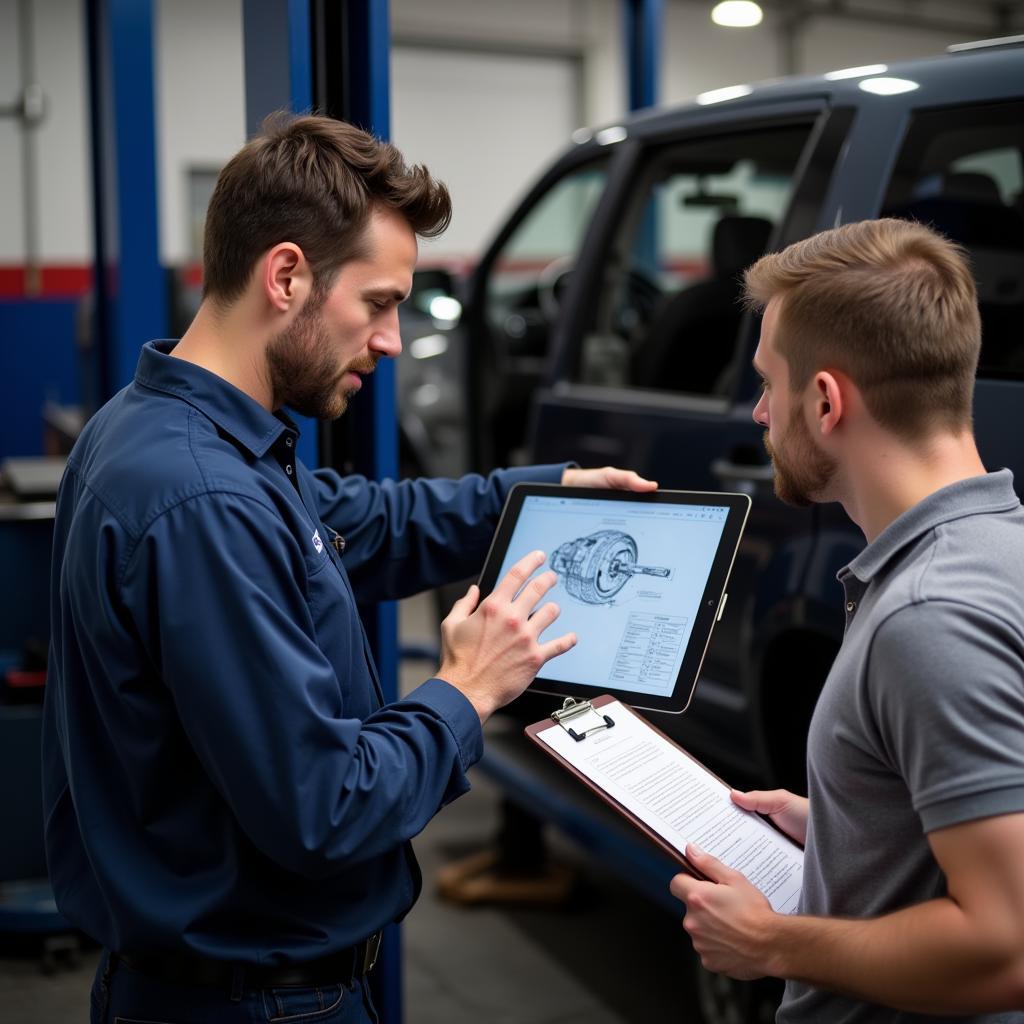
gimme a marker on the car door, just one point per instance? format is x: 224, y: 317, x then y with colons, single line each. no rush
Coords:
x: 652, y: 369
x: 514, y: 301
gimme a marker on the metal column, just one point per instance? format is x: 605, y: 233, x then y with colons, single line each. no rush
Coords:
x: 642, y: 30
x: 333, y: 56
x: 279, y: 76
x: 352, y: 53
x: 129, y: 284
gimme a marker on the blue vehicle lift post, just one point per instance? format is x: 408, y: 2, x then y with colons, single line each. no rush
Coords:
x: 129, y: 285
x: 332, y: 56
x: 642, y: 22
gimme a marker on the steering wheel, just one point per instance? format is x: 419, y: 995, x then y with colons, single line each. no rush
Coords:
x: 552, y: 283
x: 641, y: 293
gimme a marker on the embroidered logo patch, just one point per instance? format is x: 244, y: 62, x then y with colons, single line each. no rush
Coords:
x: 317, y: 542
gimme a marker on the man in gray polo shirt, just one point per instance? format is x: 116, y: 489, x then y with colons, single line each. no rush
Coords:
x: 913, y: 898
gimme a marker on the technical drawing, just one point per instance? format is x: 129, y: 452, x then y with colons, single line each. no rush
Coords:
x: 596, y: 567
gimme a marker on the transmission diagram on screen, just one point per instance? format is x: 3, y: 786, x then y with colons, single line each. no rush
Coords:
x: 595, y: 568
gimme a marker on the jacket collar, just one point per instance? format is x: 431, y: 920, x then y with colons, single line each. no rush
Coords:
x: 238, y: 415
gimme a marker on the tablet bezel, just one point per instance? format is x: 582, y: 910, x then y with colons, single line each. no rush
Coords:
x: 678, y: 700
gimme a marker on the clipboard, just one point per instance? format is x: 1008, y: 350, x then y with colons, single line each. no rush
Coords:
x: 581, y: 720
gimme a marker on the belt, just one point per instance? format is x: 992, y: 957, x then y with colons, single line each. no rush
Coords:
x: 346, y: 966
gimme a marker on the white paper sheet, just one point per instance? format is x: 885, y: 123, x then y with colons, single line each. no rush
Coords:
x: 682, y: 802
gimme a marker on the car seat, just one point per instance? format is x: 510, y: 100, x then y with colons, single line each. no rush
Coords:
x: 693, y: 335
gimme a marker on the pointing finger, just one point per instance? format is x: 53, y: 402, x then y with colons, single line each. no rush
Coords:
x: 512, y: 582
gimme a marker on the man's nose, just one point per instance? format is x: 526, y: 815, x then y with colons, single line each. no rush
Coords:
x: 388, y: 340
x: 760, y: 413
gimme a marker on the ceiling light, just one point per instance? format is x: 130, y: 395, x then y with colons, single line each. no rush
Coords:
x: 737, y: 14
x: 867, y: 69
x: 888, y: 86
x: 730, y: 92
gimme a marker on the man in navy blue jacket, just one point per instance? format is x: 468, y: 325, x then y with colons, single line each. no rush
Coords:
x: 229, y: 802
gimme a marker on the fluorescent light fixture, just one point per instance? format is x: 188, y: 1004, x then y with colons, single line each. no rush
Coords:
x: 888, y: 86
x: 737, y: 14
x: 862, y: 72
x: 730, y: 92
x: 608, y: 136
x: 428, y: 346
x: 581, y: 135
x: 444, y: 307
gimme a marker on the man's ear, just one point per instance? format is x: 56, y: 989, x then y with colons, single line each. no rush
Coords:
x: 829, y: 402
x: 287, y: 278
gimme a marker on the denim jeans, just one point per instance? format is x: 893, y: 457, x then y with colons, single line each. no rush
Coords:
x: 123, y: 996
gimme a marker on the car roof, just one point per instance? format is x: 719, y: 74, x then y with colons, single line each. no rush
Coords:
x: 990, y: 69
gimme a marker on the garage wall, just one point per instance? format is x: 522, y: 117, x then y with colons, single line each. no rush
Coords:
x: 487, y: 142
x: 200, y: 122
x: 62, y: 180
x: 200, y: 105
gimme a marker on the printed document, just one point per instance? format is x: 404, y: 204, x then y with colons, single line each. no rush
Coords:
x: 680, y: 800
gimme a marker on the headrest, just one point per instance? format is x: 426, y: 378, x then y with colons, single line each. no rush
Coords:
x: 738, y: 242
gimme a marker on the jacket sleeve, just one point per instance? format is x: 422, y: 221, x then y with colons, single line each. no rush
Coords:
x: 217, y: 589
x: 401, y: 538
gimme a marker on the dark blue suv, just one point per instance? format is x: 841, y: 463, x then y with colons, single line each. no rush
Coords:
x: 604, y: 326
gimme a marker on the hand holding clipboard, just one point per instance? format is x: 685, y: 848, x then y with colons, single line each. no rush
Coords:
x: 668, y: 795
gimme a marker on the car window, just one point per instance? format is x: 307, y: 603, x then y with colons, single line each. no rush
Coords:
x: 528, y: 277
x: 703, y: 211
x: 962, y: 171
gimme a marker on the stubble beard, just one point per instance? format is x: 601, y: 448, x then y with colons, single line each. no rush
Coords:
x: 305, y: 372
x: 803, y: 473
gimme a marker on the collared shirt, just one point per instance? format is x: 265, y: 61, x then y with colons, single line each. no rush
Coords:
x: 220, y: 775
x: 920, y: 725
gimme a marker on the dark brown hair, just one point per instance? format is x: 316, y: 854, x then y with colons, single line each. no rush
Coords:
x: 890, y: 303
x: 313, y: 181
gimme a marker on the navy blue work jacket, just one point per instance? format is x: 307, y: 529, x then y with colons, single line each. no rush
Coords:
x: 220, y: 774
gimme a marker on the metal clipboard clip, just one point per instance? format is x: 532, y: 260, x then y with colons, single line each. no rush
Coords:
x: 574, y: 712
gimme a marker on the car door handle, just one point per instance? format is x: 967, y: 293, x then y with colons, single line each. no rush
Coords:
x: 744, y: 477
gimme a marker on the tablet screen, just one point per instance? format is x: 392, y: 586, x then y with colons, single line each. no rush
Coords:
x: 636, y: 578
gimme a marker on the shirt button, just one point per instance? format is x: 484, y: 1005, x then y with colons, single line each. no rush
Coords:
x: 288, y: 441
x: 851, y: 606
x: 288, y: 469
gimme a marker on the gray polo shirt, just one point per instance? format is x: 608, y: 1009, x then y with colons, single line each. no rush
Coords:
x: 920, y: 724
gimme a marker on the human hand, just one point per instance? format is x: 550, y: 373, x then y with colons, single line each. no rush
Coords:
x: 608, y: 476
x: 786, y: 809
x: 492, y: 652
x: 729, y: 921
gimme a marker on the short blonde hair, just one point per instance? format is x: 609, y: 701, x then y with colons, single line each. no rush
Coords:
x: 890, y: 303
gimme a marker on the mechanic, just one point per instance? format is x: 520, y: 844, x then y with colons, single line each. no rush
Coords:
x: 229, y: 802
x: 913, y: 892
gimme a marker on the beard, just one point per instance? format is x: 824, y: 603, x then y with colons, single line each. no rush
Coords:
x: 802, y: 470
x: 305, y: 371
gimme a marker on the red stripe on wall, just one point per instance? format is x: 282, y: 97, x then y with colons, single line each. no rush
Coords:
x: 73, y: 280
x: 53, y: 281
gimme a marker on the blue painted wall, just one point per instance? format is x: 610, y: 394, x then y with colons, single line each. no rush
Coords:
x: 39, y: 360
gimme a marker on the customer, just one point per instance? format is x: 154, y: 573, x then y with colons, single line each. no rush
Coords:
x: 913, y: 894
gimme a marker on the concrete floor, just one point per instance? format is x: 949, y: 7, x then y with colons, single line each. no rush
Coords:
x: 611, y: 958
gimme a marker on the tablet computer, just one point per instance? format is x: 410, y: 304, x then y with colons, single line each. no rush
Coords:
x: 641, y: 581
